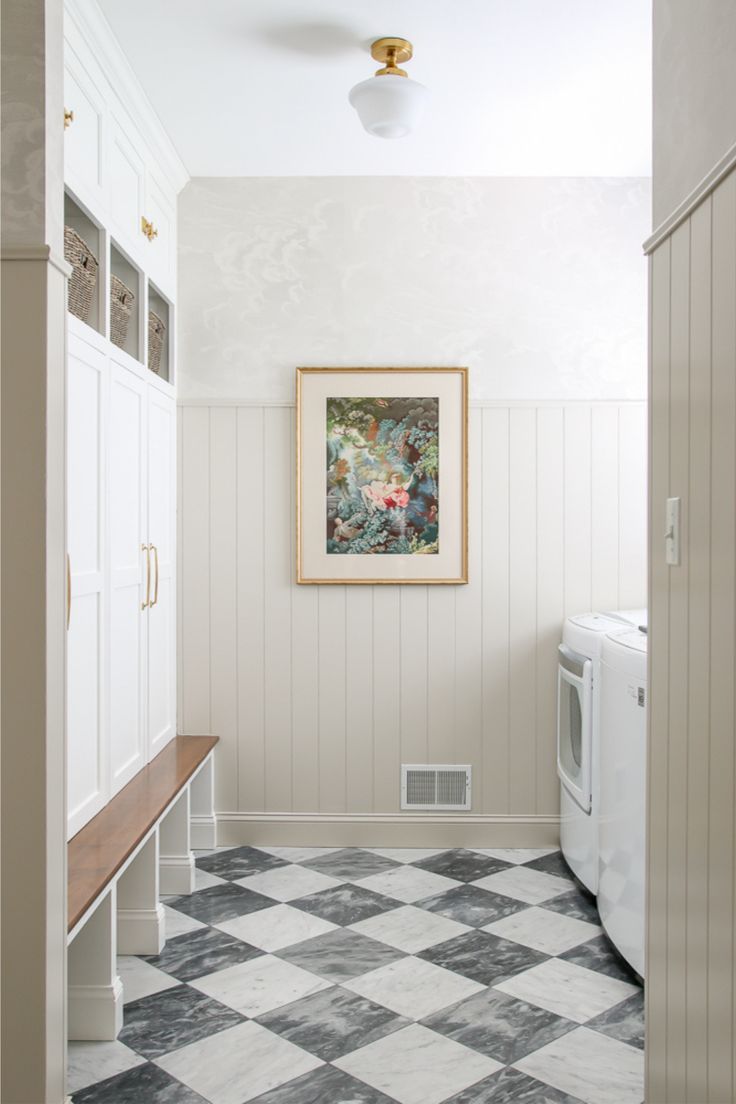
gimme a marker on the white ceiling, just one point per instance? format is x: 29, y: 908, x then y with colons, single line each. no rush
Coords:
x: 518, y: 87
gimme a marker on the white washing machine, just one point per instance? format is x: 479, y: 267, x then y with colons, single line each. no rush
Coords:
x: 578, y: 714
x: 622, y: 814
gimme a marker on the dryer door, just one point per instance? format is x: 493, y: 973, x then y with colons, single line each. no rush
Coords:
x: 574, y: 724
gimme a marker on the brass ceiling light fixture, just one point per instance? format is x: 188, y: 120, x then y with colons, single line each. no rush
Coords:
x: 389, y: 104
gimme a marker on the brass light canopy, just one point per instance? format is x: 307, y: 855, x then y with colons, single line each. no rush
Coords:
x: 388, y: 104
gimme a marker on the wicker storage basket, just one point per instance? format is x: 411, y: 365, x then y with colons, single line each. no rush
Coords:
x: 156, y: 336
x: 84, y: 273
x: 121, y: 307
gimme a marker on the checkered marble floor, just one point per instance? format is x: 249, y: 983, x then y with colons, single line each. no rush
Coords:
x: 374, y: 976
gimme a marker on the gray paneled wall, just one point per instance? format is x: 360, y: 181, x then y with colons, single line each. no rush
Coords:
x: 692, y: 847
x: 318, y: 694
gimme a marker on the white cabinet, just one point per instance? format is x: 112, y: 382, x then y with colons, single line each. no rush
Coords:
x: 127, y: 183
x: 127, y: 619
x: 84, y: 125
x: 86, y: 502
x: 160, y: 251
x: 161, y: 721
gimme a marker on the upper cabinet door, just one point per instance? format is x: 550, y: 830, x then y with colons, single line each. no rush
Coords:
x: 87, y: 775
x: 126, y: 191
x: 162, y: 537
x: 85, y: 109
x: 160, y: 251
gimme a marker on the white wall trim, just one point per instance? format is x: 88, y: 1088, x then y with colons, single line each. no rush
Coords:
x: 387, y: 829
x: 474, y: 404
x: 700, y: 192
x: 97, y: 32
x: 37, y: 253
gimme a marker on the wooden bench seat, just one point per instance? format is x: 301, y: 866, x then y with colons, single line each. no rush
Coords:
x: 136, y: 849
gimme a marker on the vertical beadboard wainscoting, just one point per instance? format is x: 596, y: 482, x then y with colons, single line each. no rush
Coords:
x: 318, y: 694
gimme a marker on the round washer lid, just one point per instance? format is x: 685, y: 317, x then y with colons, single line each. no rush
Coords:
x: 585, y: 633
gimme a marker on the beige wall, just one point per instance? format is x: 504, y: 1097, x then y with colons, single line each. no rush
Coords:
x: 33, y: 374
x: 694, y: 95
x: 691, y: 988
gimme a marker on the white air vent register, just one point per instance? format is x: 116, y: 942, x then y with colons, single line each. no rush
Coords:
x: 443, y: 786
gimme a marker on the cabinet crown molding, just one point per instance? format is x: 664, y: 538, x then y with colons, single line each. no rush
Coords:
x: 97, y: 33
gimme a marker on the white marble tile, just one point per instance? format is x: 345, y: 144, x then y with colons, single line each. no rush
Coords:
x: 141, y: 979
x: 569, y: 990
x: 417, y: 1066
x: 260, y: 985
x: 413, y: 988
x: 298, y: 854
x: 176, y: 923
x: 590, y: 1067
x: 543, y: 930
x: 203, y: 879
x: 532, y: 886
x: 286, y: 883
x: 91, y: 1062
x: 277, y: 927
x: 239, y: 1064
x: 410, y: 929
x: 514, y: 854
x: 408, y: 883
x: 406, y: 854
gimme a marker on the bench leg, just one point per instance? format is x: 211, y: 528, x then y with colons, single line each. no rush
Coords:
x: 176, y: 861
x: 204, y: 824
x: 140, y: 915
x: 95, y: 992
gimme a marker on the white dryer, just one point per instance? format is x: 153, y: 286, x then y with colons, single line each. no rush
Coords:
x: 578, y: 715
x: 622, y: 817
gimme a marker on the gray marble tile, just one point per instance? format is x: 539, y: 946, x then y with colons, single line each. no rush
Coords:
x: 500, y: 1026
x: 510, y: 1086
x: 239, y: 862
x: 340, y: 955
x: 201, y: 952
x: 146, y: 1084
x: 220, y: 902
x: 553, y: 863
x: 576, y: 903
x: 468, y: 904
x: 332, y: 1023
x: 325, y: 1085
x: 346, y: 904
x: 166, y: 1021
x: 625, y: 1021
x: 462, y: 865
x: 600, y: 955
x: 483, y: 957
x: 351, y: 864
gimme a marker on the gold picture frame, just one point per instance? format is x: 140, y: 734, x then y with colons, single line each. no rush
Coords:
x: 393, y: 512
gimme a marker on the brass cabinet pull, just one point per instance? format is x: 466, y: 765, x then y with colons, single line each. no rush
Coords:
x: 148, y: 228
x: 68, y: 590
x: 147, y: 549
x: 68, y: 118
x: 155, y: 585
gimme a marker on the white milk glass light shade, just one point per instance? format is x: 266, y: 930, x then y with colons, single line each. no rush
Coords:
x: 389, y: 106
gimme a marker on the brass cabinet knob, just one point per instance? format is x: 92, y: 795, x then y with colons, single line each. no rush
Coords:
x: 68, y: 118
x: 148, y: 228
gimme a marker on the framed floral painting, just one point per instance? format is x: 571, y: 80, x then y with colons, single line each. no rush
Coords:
x: 382, y: 456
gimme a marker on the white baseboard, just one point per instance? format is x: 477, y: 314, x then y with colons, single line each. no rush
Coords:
x: 141, y: 931
x: 386, y: 830
x: 176, y: 874
x: 203, y: 832
x: 95, y: 1012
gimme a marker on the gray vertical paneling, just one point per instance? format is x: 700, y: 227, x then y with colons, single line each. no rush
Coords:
x: 320, y: 693
x: 691, y: 960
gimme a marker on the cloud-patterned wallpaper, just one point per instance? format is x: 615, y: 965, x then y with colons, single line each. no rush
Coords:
x: 537, y: 285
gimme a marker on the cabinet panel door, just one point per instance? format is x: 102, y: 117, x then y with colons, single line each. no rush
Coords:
x: 160, y: 252
x: 83, y: 138
x: 87, y: 786
x: 161, y: 533
x: 128, y: 560
x: 126, y: 191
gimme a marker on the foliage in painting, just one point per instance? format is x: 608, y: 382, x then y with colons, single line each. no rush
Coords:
x: 382, y: 476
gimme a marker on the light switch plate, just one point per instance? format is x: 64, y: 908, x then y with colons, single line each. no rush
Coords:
x: 672, y: 532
